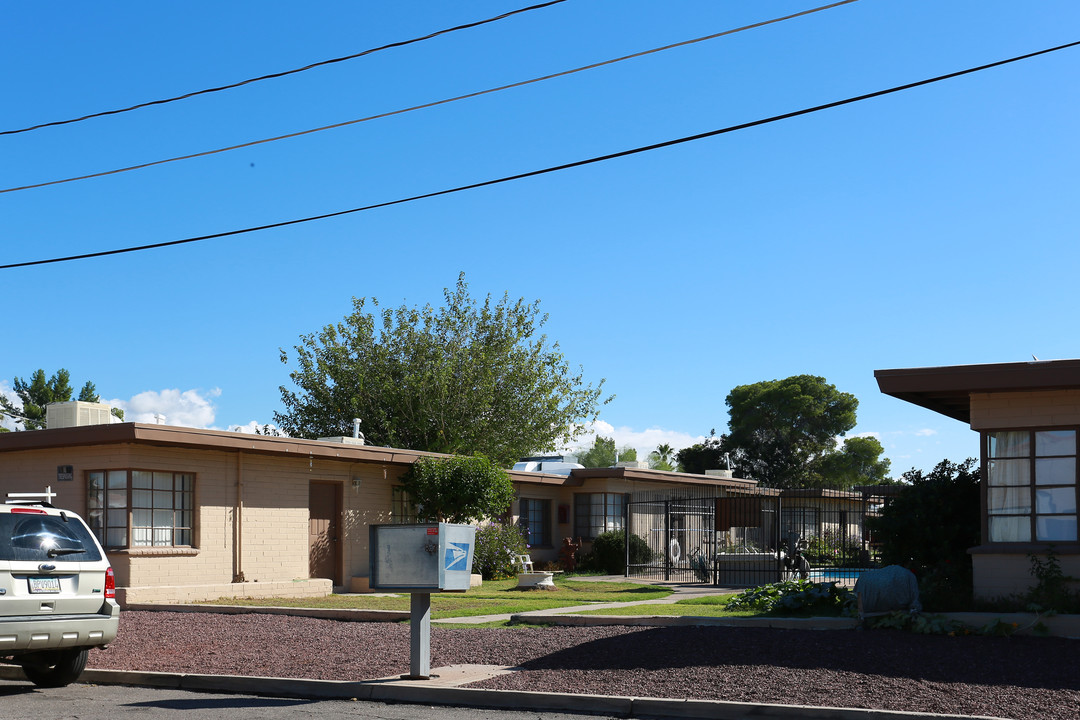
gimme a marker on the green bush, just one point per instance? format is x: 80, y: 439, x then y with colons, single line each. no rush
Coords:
x: 796, y: 597
x: 1053, y: 589
x: 832, y: 549
x: 496, y: 546
x: 608, y: 554
x: 457, y: 489
x: 928, y: 529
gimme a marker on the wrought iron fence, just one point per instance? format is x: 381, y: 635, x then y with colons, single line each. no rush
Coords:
x: 748, y: 537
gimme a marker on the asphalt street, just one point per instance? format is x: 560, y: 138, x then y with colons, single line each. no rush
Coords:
x: 22, y: 701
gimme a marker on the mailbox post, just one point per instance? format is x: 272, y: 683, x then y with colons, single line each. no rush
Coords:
x: 421, y: 559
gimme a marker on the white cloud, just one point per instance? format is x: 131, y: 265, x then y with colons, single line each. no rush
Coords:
x: 188, y: 408
x: 7, y: 392
x: 925, y: 432
x: 253, y: 425
x: 644, y: 441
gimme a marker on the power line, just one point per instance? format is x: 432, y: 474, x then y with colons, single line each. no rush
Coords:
x: 191, y: 156
x: 555, y: 168
x: 272, y: 76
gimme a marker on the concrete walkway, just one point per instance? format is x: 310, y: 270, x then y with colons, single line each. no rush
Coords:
x: 681, y: 591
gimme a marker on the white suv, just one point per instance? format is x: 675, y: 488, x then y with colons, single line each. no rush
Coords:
x: 57, y: 593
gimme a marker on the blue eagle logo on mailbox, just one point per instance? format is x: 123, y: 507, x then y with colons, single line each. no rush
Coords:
x: 457, y: 556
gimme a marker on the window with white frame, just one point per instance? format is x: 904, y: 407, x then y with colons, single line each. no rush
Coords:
x: 1031, y: 485
x: 534, y: 516
x: 596, y: 513
x: 141, y: 508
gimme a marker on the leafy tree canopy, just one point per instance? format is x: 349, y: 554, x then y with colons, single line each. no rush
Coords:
x: 780, y: 429
x: 457, y: 489
x: 603, y: 454
x: 698, y: 458
x: 461, y: 379
x: 858, y: 462
x: 40, y: 391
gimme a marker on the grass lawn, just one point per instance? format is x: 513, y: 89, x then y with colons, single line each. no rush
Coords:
x: 494, y: 597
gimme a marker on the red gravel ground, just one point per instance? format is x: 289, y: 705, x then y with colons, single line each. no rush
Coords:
x: 1024, y: 678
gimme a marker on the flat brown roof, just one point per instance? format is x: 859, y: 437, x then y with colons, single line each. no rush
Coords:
x: 820, y: 493
x: 947, y: 390
x: 202, y: 439
x: 625, y: 473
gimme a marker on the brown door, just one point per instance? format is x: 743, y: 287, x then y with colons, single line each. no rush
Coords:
x: 324, y: 526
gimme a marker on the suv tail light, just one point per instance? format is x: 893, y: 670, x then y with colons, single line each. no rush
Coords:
x: 110, y: 584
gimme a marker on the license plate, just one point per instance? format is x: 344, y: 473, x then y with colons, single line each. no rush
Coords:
x: 44, y: 585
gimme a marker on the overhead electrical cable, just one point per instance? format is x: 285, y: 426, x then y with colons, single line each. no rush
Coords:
x: 143, y: 166
x: 284, y: 73
x: 555, y: 168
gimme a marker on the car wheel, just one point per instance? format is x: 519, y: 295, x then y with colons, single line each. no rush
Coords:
x: 57, y: 669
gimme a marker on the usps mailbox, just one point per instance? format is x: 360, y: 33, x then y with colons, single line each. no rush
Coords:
x: 420, y: 560
x: 424, y: 558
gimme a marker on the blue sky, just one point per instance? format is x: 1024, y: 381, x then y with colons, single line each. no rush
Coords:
x: 935, y: 226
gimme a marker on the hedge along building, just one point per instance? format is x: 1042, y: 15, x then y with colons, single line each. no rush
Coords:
x: 194, y: 514
x: 1028, y: 419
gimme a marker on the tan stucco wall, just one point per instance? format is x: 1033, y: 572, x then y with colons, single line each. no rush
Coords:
x: 1002, y: 575
x: 273, y: 540
x: 1025, y: 409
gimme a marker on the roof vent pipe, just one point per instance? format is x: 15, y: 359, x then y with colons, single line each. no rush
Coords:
x: 356, y: 428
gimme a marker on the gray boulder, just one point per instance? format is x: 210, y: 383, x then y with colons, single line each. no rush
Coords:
x: 890, y: 588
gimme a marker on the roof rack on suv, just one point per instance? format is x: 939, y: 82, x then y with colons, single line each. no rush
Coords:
x: 42, y: 498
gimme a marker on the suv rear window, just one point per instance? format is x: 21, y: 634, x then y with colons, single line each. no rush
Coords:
x: 45, y: 537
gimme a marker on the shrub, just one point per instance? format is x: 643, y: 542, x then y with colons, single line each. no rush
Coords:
x: 928, y: 529
x: 1053, y: 588
x: 796, y: 597
x: 608, y: 553
x: 457, y: 489
x: 832, y: 549
x: 496, y: 546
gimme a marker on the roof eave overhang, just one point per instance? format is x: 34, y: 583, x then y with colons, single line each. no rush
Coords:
x: 203, y: 439
x: 948, y: 390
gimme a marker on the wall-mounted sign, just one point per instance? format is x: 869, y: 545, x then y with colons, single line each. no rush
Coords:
x: 65, y: 472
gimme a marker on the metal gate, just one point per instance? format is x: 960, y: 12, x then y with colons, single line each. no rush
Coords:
x: 744, y: 537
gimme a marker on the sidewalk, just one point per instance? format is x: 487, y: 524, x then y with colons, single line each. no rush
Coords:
x: 681, y: 591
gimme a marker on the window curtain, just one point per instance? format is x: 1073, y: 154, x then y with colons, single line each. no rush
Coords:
x: 1009, y: 498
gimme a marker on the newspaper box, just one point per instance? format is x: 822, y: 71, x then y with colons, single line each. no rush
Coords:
x: 423, y: 558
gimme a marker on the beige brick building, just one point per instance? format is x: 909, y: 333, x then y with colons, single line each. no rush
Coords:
x: 191, y: 514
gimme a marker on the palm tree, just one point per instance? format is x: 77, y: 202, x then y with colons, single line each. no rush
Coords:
x: 661, y: 457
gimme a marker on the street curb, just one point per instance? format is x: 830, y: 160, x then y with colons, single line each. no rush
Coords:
x: 409, y: 692
x: 821, y: 623
x: 322, y: 614
x: 1065, y: 626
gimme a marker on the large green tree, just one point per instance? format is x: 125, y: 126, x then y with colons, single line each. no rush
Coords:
x: 603, y: 454
x: 857, y: 462
x: 779, y: 430
x: 463, y: 378
x: 40, y: 391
